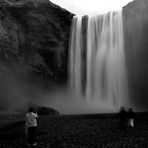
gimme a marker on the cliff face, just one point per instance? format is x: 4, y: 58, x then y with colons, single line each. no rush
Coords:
x: 34, y: 38
x: 135, y: 20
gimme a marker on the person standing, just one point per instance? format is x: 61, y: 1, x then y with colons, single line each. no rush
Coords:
x: 31, y: 125
x: 123, y: 118
x: 130, y: 118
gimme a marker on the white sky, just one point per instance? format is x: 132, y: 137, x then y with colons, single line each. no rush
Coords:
x: 91, y: 7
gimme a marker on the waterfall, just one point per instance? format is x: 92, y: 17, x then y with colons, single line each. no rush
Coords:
x: 97, y: 70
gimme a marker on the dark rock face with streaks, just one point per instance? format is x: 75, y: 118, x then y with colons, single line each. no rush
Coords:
x: 34, y: 37
x: 135, y: 22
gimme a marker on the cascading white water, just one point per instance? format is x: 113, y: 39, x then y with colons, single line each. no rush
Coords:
x: 97, y: 69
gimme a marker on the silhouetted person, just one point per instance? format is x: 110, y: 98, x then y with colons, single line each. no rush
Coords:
x: 130, y: 117
x: 31, y: 125
x: 123, y: 118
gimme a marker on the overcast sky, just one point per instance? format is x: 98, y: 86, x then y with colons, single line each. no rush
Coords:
x: 91, y: 7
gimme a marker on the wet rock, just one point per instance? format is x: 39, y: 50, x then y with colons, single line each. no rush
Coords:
x: 34, y: 38
x: 135, y: 23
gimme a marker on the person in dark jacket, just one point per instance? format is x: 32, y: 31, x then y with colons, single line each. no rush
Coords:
x: 123, y: 117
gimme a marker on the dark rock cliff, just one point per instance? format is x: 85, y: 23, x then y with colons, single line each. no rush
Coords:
x: 34, y: 38
x: 135, y: 20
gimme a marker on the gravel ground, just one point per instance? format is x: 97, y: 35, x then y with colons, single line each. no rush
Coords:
x: 78, y: 132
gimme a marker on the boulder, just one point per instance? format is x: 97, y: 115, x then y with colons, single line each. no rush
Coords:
x: 41, y: 110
